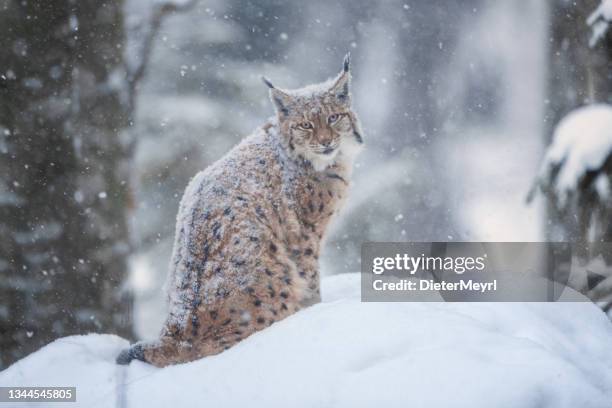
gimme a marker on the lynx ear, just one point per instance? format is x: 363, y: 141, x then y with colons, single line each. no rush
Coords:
x: 341, y: 87
x: 280, y: 99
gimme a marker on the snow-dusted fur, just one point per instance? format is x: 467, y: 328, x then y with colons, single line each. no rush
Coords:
x: 250, y: 227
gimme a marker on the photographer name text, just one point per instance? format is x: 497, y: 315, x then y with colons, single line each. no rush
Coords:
x: 428, y: 284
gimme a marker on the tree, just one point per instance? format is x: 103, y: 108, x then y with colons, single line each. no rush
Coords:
x: 66, y: 102
x: 576, y: 172
x: 579, y: 75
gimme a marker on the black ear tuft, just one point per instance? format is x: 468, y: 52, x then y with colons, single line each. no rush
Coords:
x: 346, y: 65
x: 267, y: 82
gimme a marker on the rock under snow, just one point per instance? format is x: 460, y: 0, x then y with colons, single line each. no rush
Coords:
x: 344, y: 353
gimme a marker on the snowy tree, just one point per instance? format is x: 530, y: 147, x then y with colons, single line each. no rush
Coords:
x: 66, y: 103
x: 579, y: 75
x: 576, y: 170
x: 576, y: 179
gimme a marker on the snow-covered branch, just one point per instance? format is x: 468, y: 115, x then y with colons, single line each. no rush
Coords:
x: 600, y: 21
x: 575, y: 164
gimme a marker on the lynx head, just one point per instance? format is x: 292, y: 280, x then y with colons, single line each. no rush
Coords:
x: 317, y: 122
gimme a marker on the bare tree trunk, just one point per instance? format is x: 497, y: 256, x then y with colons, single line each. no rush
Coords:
x: 63, y: 173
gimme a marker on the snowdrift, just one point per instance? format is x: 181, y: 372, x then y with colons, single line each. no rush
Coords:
x: 344, y: 353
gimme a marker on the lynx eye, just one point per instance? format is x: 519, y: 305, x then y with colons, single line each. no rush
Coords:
x: 333, y: 118
x: 305, y: 125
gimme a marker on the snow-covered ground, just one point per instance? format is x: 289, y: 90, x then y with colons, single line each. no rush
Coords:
x: 344, y: 353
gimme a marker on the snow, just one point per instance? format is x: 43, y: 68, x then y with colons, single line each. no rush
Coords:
x: 344, y: 353
x: 605, y: 9
x: 582, y: 142
x: 599, y: 21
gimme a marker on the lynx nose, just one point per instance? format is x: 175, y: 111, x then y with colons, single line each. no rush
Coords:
x: 326, y: 142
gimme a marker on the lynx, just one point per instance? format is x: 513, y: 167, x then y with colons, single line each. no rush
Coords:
x: 250, y: 226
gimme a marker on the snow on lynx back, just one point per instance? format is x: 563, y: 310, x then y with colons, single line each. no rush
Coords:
x: 250, y: 227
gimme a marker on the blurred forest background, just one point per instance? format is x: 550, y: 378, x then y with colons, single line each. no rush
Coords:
x: 108, y: 108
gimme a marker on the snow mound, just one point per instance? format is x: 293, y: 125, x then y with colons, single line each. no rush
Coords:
x: 582, y: 142
x: 344, y: 353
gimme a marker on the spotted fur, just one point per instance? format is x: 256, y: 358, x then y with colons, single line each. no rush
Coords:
x: 250, y: 227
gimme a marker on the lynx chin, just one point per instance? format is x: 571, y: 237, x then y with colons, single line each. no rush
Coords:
x: 250, y: 226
